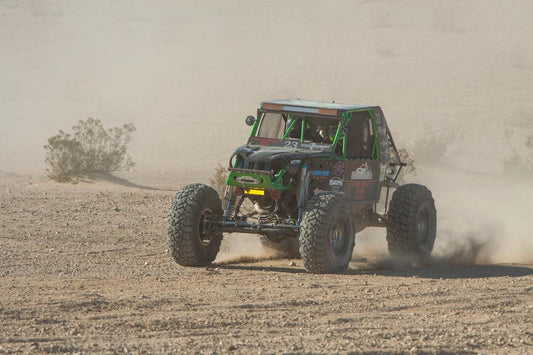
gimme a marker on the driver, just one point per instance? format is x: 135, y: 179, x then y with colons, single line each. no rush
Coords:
x: 296, y: 129
x: 325, y: 133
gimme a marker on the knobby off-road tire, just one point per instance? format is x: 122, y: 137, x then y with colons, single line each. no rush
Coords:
x: 188, y: 242
x: 411, y: 223
x: 286, y: 248
x: 327, y: 234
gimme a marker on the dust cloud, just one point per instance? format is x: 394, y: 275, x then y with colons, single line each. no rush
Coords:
x: 243, y: 248
x: 453, y: 78
x: 481, y: 218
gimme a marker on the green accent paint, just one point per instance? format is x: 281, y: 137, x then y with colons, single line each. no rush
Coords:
x: 256, y: 125
x: 265, y: 182
x: 344, y: 148
x: 335, y: 140
x: 290, y: 127
x: 278, y: 176
x: 302, y: 130
x: 347, y: 118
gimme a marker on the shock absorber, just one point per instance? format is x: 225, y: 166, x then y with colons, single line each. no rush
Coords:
x: 230, y: 205
x: 302, y: 190
x: 303, y: 186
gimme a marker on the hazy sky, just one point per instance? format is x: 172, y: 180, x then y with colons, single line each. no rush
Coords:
x: 188, y: 72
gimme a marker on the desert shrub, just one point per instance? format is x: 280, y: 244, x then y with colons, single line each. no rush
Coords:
x: 218, y: 180
x: 89, y: 149
x: 432, y: 148
x: 529, y: 141
x: 518, y: 164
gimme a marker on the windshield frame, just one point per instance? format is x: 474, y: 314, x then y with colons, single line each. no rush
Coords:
x: 300, y: 142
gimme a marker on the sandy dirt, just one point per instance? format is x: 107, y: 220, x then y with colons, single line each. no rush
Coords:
x: 85, y: 269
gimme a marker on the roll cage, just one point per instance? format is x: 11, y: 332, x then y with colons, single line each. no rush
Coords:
x: 301, y: 127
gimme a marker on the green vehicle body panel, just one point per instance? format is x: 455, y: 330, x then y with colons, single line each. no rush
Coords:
x: 270, y: 181
x: 266, y: 182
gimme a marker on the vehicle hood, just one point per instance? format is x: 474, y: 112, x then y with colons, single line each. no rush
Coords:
x: 262, y: 158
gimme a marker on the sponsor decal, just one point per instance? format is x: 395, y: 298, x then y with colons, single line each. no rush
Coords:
x: 319, y: 173
x: 247, y: 180
x: 338, y: 169
x: 335, y: 184
x: 363, y: 172
x: 311, y: 146
x: 315, y: 146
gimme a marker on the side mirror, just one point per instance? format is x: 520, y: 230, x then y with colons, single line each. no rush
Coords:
x: 250, y: 120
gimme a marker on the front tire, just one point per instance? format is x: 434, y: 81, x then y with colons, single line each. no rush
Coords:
x: 189, y: 240
x: 327, y: 234
x: 411, y: 223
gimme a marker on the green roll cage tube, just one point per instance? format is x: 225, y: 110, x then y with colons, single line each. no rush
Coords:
x: 344, y: 120
x: 269, y: 181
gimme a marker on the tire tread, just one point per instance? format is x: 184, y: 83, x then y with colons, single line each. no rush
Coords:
x: 183, y: 243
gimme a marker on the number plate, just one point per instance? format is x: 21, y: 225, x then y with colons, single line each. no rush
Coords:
x: 254, y: 192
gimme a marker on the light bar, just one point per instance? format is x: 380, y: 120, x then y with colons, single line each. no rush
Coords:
x: 268, y: 106
x: 320, y: 111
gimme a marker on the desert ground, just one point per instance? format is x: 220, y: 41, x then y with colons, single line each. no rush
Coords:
x: 85, y: 269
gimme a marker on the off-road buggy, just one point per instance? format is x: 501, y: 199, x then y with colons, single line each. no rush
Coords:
x: 310, y: 176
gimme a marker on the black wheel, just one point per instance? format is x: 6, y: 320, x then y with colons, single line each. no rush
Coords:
x: 286, y: 248
x: 411, y: 222
x: 327, y: 234
x: 190, y: 241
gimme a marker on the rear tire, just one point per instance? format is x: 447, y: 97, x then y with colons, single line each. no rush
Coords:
x: 327, y: 234
x: 286, y: 248
x: 411, y: 223
x: 188, y: 242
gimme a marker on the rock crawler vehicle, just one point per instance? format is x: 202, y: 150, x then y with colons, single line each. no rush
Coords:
x: 311, y: 175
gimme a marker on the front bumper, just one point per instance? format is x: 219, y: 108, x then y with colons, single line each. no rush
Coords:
x: 258, y: 179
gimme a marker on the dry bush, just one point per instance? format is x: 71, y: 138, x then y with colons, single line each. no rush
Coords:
x: 529, y: 141
x: 432, y: 148
x: 519, y: 164
x: 218, y: 180
x: 89, y: 149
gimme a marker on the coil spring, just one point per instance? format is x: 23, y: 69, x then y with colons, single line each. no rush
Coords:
x: 230, y: 206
